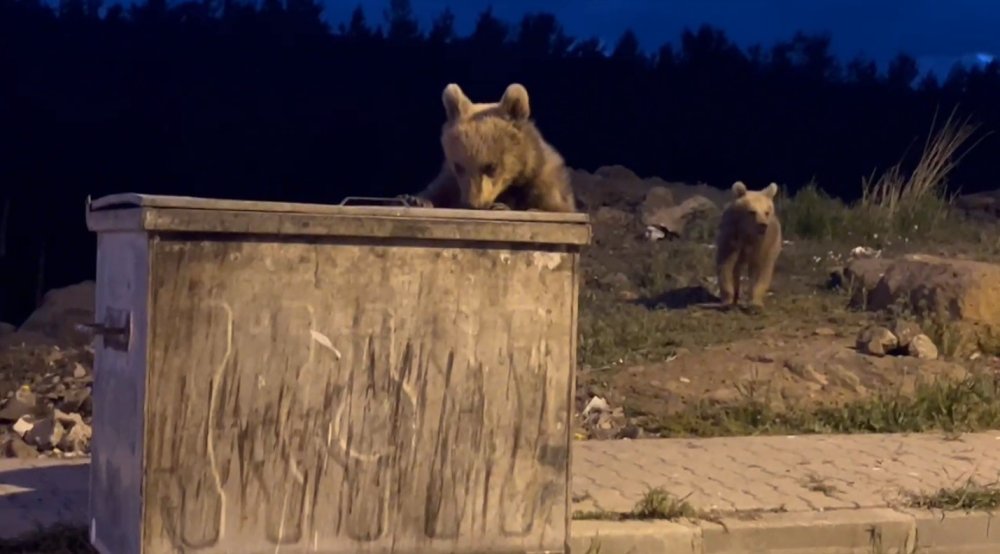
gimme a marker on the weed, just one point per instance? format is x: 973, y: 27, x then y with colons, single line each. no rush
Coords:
x: 969, y: 496
x: 657, y: 503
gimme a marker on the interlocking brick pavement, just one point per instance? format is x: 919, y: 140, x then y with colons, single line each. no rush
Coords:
x: 783, y: 473
x: 798, y: 473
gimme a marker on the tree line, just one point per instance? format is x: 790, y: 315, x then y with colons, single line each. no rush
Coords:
x: 268, y: 101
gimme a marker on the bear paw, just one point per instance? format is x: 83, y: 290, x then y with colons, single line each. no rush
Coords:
x: 415, y: 201
x: 499, y: 206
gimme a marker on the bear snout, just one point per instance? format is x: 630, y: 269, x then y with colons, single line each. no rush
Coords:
x: 761, y: 228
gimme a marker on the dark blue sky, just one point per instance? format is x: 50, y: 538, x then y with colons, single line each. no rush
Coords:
x: 936, y: 32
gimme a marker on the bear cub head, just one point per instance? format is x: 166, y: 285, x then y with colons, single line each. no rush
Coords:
x: 754, y: 207
x: 488, y: 147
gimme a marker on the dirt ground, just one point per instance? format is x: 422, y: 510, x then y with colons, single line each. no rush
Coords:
x: 654, y: 343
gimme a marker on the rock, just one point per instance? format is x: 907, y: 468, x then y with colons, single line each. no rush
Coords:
x: 24, y: 402
x: 960, y: 290
x: 596, y: 404
x: 14, y: 446
x: 825, y: 332
x: 654, y: 233
x: 673, y: 219
x: 922, y: 347
x: 79, y: 372
x: 845, y: 378
x: 23, y: 426
x: 905, y: 330
x: 859, y: 277
x: 45, y: 433
x: 876, y: 340
x: 78, y: 433
x: 6, y: 328
x: 77, y: 400
x: 805, y: 370
x: 61, y: 311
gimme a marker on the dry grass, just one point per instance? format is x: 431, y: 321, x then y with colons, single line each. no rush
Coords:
x: 969, y: 496
x: 921, y: 196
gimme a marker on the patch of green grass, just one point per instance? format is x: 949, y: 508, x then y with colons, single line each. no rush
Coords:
x: 59, y: 539
x: 812, y: 214
x: 970, y: 496
x: 968, y: 405
x: 657, y: 503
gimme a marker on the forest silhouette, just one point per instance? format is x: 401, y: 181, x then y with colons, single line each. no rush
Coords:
x: 229, y: 99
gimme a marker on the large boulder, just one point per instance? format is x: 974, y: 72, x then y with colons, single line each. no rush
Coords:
x: 961, y: 297
x: 61, y: 311
x: 959, y: 290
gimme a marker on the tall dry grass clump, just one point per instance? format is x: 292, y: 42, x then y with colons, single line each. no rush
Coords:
x: 907, y: 202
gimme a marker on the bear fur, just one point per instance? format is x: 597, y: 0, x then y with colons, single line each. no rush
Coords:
x: 749, y: 236
x: 495, y: 158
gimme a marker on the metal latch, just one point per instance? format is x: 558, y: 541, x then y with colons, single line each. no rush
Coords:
x: 115, y: 331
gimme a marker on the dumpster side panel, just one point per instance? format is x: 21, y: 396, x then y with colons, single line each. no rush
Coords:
x: 116, y: 462
x: 348, y: 397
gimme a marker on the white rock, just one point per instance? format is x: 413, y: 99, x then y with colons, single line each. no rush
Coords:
x: 922, y: 347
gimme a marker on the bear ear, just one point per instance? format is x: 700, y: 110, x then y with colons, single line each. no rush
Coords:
x: 514, y: 102
x: 456, y: 103
x: 739, y: 189
x: 772, y: 190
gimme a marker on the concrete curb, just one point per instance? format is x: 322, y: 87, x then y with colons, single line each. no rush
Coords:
x: 861, y: 531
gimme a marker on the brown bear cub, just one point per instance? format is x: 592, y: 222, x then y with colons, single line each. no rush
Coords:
x: 749, y: 236
x: 495, y: 158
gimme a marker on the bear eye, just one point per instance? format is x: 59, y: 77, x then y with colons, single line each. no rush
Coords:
x: 488, y: 170
x: 459, y: 170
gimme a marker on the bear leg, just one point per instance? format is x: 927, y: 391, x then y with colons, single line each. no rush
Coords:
x: 761, y: 273
x: 728, y: 275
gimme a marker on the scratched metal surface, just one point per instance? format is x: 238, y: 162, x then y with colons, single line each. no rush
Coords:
x: 324, y: 396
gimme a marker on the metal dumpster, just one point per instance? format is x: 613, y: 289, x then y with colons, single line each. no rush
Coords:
x: 276, y: 377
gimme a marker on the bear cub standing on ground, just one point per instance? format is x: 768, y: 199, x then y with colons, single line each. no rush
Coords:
x: 749, y: 236
x: 496, y: 158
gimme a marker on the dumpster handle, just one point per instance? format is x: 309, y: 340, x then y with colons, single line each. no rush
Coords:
x: 396, y: 201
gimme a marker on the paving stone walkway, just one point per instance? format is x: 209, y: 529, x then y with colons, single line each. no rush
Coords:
x: 792, y: 474
x: 784, y: 473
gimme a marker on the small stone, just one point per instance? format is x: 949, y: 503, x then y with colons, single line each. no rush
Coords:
x: 654, y: 233
x: 876, y: 340
x: 824, y: 332
x: 922, y: 347
x: 905, y: 330
x: 79, y: 372
x: 596, y: 404
x: 45, y: 433
x: 15, y: 447
x: 76, y: 400
x: 77, y: 439
x: 22, y: 403
x: 23, y: 425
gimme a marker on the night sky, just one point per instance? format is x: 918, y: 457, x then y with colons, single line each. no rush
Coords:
x: 936, y: 32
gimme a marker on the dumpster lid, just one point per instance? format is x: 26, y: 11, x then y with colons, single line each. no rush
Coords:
x: 187, y: 214
x: 135, y: 200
